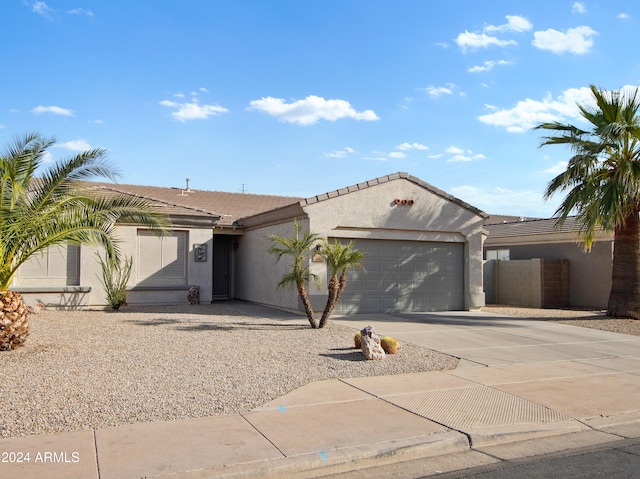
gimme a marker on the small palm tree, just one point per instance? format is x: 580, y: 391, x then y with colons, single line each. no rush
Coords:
x: 340, y: 258
x: 298, y: 248
x: 46, y: 207
x: 602, y: 185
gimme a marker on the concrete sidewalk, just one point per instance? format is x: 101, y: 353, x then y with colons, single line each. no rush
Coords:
x: 552, y: 388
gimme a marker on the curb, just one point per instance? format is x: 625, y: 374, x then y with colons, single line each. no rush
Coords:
x: 336, y: 461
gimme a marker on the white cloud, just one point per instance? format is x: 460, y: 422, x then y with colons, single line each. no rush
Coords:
x: 576, y: 40
x: 458, y: 154
x: 579, y: 7
x: 346, y: 151
x: 193, y: 111
x: 527, y: 113
x: 56, y: 110
x: 515, y: 23
x: 436, y: 91
x: 97, y: 121
x: 488, y: 65
x: 203, y: 89
x: 74, y: 145
x: 557, y: 168
x: 468, y: 40
x: 310, y: 110
x: 623, y: 16
x: 411, y: 146
x: 454, y: 150
x: 475, y: 40
x: 80, y: 11
x: 386, y: 156
x: 47, y: 157
x: 376, y: 156
x: 42, y: 9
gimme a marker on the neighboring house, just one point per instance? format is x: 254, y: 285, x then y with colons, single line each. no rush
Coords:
x: 423, y: 246
x: 515, y: 239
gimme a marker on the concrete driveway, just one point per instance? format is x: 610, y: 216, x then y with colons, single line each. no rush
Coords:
x: 479, y: 338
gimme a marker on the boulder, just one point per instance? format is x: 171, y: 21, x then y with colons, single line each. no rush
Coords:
x: 193, y: 296
x: 370, y: 343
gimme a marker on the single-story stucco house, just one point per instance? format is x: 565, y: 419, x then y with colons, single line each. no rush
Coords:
x: 532, y: 242
x: 423, y: 247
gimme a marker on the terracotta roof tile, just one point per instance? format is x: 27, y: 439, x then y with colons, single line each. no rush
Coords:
x: 531, y: 227
x: 229, y: 206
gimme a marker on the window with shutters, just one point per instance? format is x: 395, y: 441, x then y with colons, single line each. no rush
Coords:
x: 162, y: 260
x: 57, y: 265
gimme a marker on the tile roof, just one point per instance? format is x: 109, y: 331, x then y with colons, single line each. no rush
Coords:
x: 228, y: 206
x: 497, y: 219
x: 231, y: 207
x: 531, y: 227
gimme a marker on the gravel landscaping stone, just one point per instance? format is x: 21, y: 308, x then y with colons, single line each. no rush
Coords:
x: 96, y: 369
x: 596, y: 319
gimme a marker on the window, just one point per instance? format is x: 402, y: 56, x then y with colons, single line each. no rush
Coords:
x: 55, y: 266
x: 162, y: 260
x: 499, y: 254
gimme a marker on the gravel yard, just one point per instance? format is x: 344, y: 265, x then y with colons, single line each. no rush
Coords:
x: 95, y: 369
x: 584, y: 318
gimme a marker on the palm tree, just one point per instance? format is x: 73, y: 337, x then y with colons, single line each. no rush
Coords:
x: 340, y: 258
x: 298, y: 248
x: 40, y: 208
x: 602, y: 185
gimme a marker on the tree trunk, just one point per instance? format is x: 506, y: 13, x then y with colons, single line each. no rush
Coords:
x: 332, y: 300
x: 14, y: 327
x: 341, y: 285
x: 302, y: 291
x: 624, y: 300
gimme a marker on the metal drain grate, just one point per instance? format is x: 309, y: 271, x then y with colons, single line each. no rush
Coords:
x: 475, y: 407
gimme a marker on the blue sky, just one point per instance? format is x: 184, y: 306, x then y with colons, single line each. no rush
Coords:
x: 304, y: 97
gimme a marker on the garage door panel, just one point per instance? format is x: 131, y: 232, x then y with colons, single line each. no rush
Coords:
x: 387, y: 304
x: 350, y: 305
x: 406, y: 276
x: 371, y: 265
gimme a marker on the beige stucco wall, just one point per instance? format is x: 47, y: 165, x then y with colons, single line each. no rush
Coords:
x: 256, y: 271
x: 369, y: 213
x: 372, y: 213
x: 590, y: 276
x: 90, y: 292
x: 518, y: 282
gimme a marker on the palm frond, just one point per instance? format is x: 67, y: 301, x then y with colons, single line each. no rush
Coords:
x: 602, y: 179
x: 52, y: 209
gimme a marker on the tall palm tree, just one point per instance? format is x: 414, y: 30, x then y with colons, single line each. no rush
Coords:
x: 340, y: 258
x: 602, y: 185
x: 298, y: 248
x: 43, y: 206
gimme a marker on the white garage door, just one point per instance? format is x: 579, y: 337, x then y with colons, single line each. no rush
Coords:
x: 406, y: 276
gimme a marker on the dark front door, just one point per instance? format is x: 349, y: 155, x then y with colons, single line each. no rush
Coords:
x: 221, y: 266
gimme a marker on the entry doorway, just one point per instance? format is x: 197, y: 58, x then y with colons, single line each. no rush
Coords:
x: 221, y: 267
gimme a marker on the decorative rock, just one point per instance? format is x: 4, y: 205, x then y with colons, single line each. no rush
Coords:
x: 37, y: 309
x: 370, y: 343
x: 193, y: 296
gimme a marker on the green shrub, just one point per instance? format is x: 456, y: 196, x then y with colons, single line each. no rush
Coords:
x: 115, y: 276
x: 357, y: 341
x: 389, y: 345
